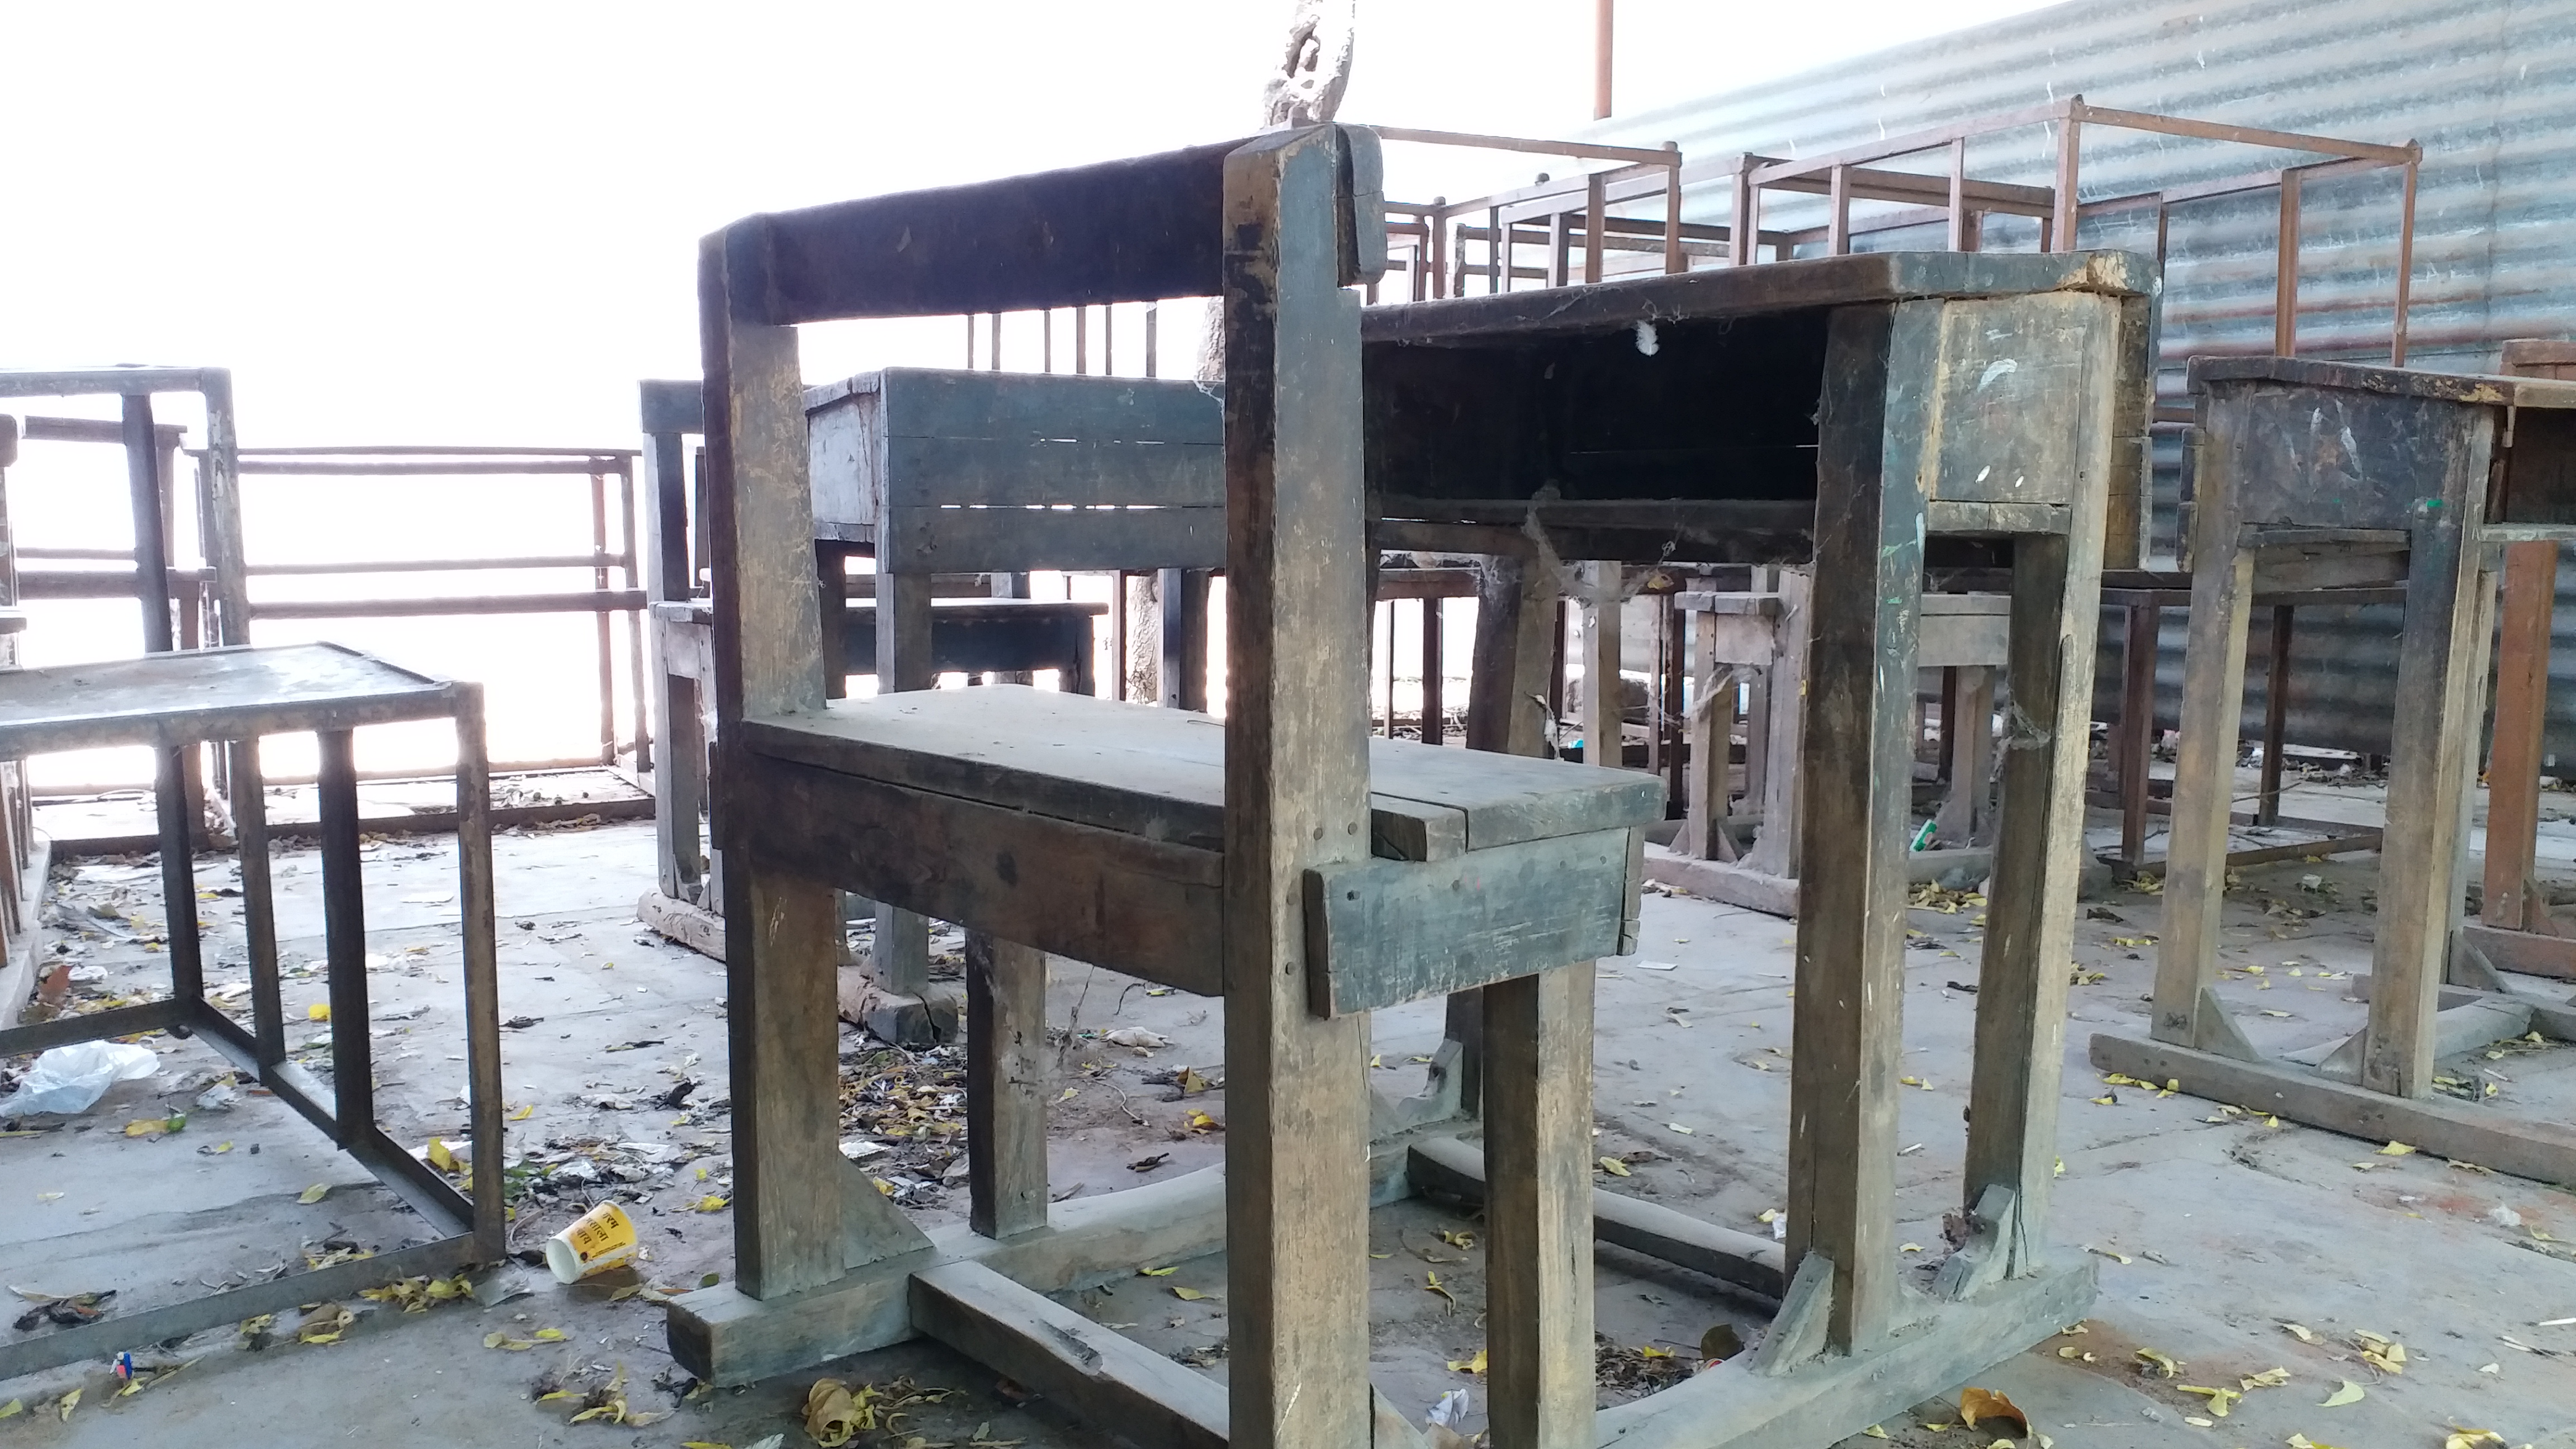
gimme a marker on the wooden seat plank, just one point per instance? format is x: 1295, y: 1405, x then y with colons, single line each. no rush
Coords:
x: 1159, y: 773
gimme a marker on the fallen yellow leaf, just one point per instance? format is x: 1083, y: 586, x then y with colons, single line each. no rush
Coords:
x: 315, y: 1193
x: 71, y: 1400
x: 1615, y: 1167
x: 2300, y: 1331
x: 711, y: 1203
x: 2220, y: 1399
x: 507, y: 1343
x: 13, y: 1408
x: 2270, y: 1378
x: 2350, y: 1393
x: 1191, y: 1295
x: 1474, y: 1365
x: 2163, y: 1365
x: 2471, y: 1439
x: 2395, y: 1149
x: 1158, y: 1272
x: 524, y: 1113
x: 318, y: 1011
x: 440, y: 1157
x: 1676, y: 1126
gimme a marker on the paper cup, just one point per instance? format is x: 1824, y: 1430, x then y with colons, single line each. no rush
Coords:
x: 599, y: 1238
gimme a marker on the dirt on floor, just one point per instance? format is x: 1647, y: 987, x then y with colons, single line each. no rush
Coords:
x: 2255, y: 1257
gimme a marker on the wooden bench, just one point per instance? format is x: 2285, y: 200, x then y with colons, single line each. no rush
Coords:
x: 2381, y: 476
x: 1251, y: 856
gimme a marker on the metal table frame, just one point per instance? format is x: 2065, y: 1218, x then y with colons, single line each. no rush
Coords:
x: 174, y: 701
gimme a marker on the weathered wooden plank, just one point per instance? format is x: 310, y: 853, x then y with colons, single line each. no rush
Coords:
x: 1017, y: 473
x: 1448, y: 1167
x: 1120, y: 231
x: 925, y: 402
x: 1006, y: 1080
x: 2039, y: 835
x: 1148, y: 907
x: 2213, y: 691
x: 2509, y: 901
x: 2543, y: 1151
x: 1779, y: 843
x: 1096, y: 1372
x: 1296, y: 783
x: 988, y: 540
x: 1858, y: 768
x: 673, y: 406
x: 1538, y: 1209
x: 781, y: 958
x: 1380, y: 933
x: 1157, y: 773
x: 759, y: 504
x: 2528, y: 952
x: 1998, y: 428
x: 2440, y: 697
x: 1818, y: 282
x: 1604, y: 730
x: 1958, y: 641
x: 782, y: 1031
x: 1832, y: 1398
x: 726, y: 1336
x: 1734, y: 883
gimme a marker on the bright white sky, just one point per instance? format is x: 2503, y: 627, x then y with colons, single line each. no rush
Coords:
x: 475, y: 223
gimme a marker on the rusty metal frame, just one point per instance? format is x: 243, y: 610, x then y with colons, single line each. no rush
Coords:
x: 1847, y: 175
x: 601, y: 599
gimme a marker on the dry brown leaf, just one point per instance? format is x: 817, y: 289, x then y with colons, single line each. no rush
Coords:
x: 1976, y: 1404
x: 832, y: 1417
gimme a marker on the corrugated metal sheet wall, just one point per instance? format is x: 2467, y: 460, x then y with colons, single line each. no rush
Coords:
x: 2487, y: 86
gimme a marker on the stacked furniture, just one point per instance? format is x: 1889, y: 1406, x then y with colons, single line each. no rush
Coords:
x: 1005, y: 637
x: 2304, y: 470
x: 1759, y: 638
x: 175, y: 701
x: 1309, y: 875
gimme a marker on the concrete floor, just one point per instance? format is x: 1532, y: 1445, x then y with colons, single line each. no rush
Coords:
x: 2209, y: 1231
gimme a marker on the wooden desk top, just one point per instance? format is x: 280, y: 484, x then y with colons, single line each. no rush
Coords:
x: 1160, y: 773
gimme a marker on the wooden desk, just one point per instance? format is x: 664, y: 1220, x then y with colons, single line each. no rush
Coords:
x: 2388, y: 476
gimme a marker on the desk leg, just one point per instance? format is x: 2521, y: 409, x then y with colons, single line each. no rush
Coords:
x: 2441, y: 694
x: 1967, y: 811
x: 1006, y: 1078
x: 2136, y: 738
x: 1538, y: 1209
x: 2513, y: 769
x: 2276, y: 717
x: 171, y: 804
x: 2213, y: 691
x: 2039, y: 860
x: 344, y: 930
x: 482, y: 969
x: 259, y: 903
x: 903, y: 662
x: 1858, y: 778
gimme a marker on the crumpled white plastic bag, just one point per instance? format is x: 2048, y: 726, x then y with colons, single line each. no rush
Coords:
x: 71, y: 1079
